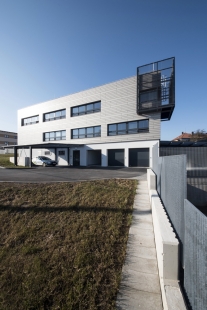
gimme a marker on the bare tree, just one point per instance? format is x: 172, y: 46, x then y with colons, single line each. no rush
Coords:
x: 199, y: 134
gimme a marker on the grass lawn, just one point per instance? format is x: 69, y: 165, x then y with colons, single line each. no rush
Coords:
x: 62, y: 246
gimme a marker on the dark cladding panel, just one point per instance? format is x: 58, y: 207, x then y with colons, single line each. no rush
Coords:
x: 116, y: 157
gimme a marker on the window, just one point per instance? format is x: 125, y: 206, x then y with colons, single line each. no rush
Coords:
x: 54, y: 135
x: 61, y: 152
x: 6, y: 136
x: 89, y: 132
x: 86, y: 108
x: 121, y: 128
x: 30, y: 120
x: 143, y: 125
x: 128, y: 127
x: 51, y: 116
x: 47, y: 152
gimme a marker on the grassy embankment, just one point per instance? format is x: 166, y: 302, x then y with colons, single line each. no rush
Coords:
x: 5, y: 162
x: 62, y: 245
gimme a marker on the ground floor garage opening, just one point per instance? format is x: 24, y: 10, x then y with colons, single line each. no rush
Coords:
x: 139, y: 157
x: 94, y: 157
x: 116, y: 157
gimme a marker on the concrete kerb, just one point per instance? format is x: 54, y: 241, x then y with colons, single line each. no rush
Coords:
x: 167, y: 249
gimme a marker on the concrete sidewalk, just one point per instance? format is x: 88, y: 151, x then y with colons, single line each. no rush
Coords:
x: 140, y: 286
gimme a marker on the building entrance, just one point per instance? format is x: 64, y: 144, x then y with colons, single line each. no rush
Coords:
x: 76, y: 158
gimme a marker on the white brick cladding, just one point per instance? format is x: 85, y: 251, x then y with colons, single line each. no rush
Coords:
x: 118, y: 104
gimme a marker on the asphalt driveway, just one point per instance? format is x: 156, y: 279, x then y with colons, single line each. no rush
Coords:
x: 69, y: 174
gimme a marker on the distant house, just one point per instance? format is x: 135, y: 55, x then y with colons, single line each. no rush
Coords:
x: 7, y: 138
x: 183, y: 137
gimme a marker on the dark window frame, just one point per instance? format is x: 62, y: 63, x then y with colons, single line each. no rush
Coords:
x: 29, y: 123
x: 54, y: 138
x: 86, y: 135
x: 61, y: 152
x: 128, y: 131
x: 55, y: 117
x: 85, y: 111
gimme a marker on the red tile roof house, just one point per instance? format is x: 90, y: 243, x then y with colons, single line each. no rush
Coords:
x: 183, y: 137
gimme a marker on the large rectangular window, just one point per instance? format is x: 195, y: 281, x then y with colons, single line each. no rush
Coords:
x: 54, y: 135
x: 88, y: 132
x: 51, y: 116
x: 127, y: 128
x: 86, y: 108
x: 30, y: 120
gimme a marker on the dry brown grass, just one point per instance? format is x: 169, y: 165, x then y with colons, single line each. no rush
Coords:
x: 62, y: 245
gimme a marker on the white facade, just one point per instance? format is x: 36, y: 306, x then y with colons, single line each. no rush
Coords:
x: 118, y: 106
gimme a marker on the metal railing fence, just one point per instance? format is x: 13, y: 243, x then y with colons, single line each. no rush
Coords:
x: 189, y: 224
x: 195, y: 256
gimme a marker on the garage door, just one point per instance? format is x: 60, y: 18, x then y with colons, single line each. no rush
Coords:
x: 94, y: 157
x: 139, y: 157
x: 116, y: 157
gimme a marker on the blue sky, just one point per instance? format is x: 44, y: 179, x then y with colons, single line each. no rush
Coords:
x: 52, y: 48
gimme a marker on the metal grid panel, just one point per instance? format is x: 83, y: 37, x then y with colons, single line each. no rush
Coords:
x: 195, y: 257
x: 174, y: 190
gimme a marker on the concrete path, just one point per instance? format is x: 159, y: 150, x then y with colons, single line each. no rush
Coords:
x: 140, y: 286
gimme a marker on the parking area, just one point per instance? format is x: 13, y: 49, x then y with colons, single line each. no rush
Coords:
x: 69, y: 174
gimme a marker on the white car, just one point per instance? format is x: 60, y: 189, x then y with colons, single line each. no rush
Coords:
x: 43, y: 161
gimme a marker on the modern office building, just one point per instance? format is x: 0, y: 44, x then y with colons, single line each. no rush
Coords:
x: 7, y: 138
x: 116, y: 124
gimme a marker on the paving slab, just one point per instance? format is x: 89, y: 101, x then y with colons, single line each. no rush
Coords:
x: 142, y: 201
x: 145, y: 215
x: 142, y: 224
x: 141, y: 251
x: 141, y: 281
x: 142, y: 206
x: 140, y: 232
x: 142, y: 264
x: 135, y: 299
